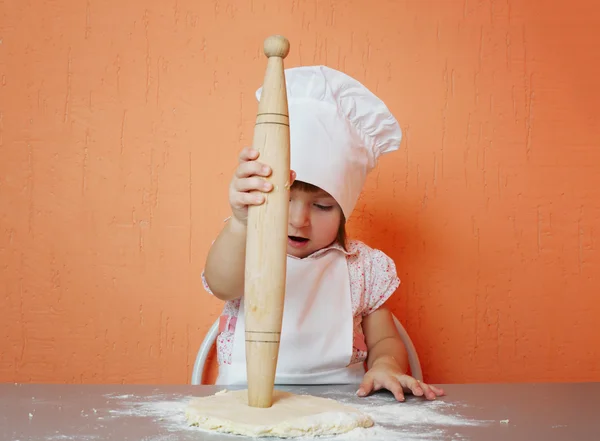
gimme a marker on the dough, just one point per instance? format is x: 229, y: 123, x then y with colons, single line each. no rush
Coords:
x: 290, y: 415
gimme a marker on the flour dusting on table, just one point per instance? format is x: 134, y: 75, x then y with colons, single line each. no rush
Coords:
x: 168, y: 413
x: 414, y: 421
x: 69, y: 438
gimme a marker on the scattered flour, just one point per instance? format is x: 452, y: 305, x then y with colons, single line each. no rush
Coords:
x: 169, y: 414
x: 120, y: 397
x: 416, y: 421
x: 78, y: 437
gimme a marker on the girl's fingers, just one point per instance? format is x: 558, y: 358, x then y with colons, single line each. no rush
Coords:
x: 395, y: 387
x: 429, y: 394
x: 418, y: 388
x: 413, y: 385
x: 438, y: 391
x: 245, y: 199
x: 247, y: 169
x: 366, y: 387
x: 252, y: 184
x: 248, y: 154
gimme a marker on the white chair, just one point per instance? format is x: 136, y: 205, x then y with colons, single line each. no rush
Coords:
x: 211, y: 336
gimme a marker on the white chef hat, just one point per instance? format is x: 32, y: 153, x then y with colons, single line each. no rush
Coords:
x: 338, y: 130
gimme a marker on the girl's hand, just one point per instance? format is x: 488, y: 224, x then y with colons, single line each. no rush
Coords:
x: 249, y: 177
x: 385, y: 375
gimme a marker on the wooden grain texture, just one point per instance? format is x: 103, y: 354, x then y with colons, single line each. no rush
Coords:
x: 120, y: 123
x: 267, y: 231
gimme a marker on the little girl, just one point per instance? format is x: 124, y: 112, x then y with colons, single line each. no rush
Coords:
x: 335, y: 320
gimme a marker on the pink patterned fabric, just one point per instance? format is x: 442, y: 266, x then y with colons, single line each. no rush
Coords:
x: 373, y: 280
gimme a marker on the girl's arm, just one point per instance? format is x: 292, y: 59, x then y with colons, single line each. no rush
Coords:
x: 225, y: 263
x: 226, y: 260
x: 383, y: 341
x: 387, y: 360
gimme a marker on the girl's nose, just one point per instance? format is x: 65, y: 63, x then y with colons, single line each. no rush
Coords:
x: 299, y: 214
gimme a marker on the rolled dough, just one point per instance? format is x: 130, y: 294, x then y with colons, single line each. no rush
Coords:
x: 290, y: 415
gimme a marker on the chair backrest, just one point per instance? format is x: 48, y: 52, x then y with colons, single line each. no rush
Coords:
x: 413, y: 356
x: 211, y: 336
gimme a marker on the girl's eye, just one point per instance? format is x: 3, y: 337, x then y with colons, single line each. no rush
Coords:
x: 324, y: 207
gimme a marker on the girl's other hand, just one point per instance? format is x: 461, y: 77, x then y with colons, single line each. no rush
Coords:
x: 386, y: 376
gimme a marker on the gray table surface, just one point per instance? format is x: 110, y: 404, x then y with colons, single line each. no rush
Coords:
x: 49, y: 412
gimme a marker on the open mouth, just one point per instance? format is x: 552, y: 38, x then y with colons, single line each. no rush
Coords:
x: 296, y: 240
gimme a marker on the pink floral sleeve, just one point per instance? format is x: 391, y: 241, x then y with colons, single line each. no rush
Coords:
x: 381, y: 282
x: 378, y: 276
x: 205, y: 284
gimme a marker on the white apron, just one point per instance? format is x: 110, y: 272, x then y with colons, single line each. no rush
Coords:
x: 317, y: 328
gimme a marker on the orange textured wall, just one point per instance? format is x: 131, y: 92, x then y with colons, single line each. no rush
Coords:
x: 119, y: 128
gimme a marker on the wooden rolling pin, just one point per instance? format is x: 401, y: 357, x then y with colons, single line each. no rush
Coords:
x: 266, y: 245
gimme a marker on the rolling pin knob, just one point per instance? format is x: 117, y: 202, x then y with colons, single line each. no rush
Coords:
x: 276, y: 46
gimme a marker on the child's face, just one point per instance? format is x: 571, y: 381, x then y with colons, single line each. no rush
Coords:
x: 314, y: 221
